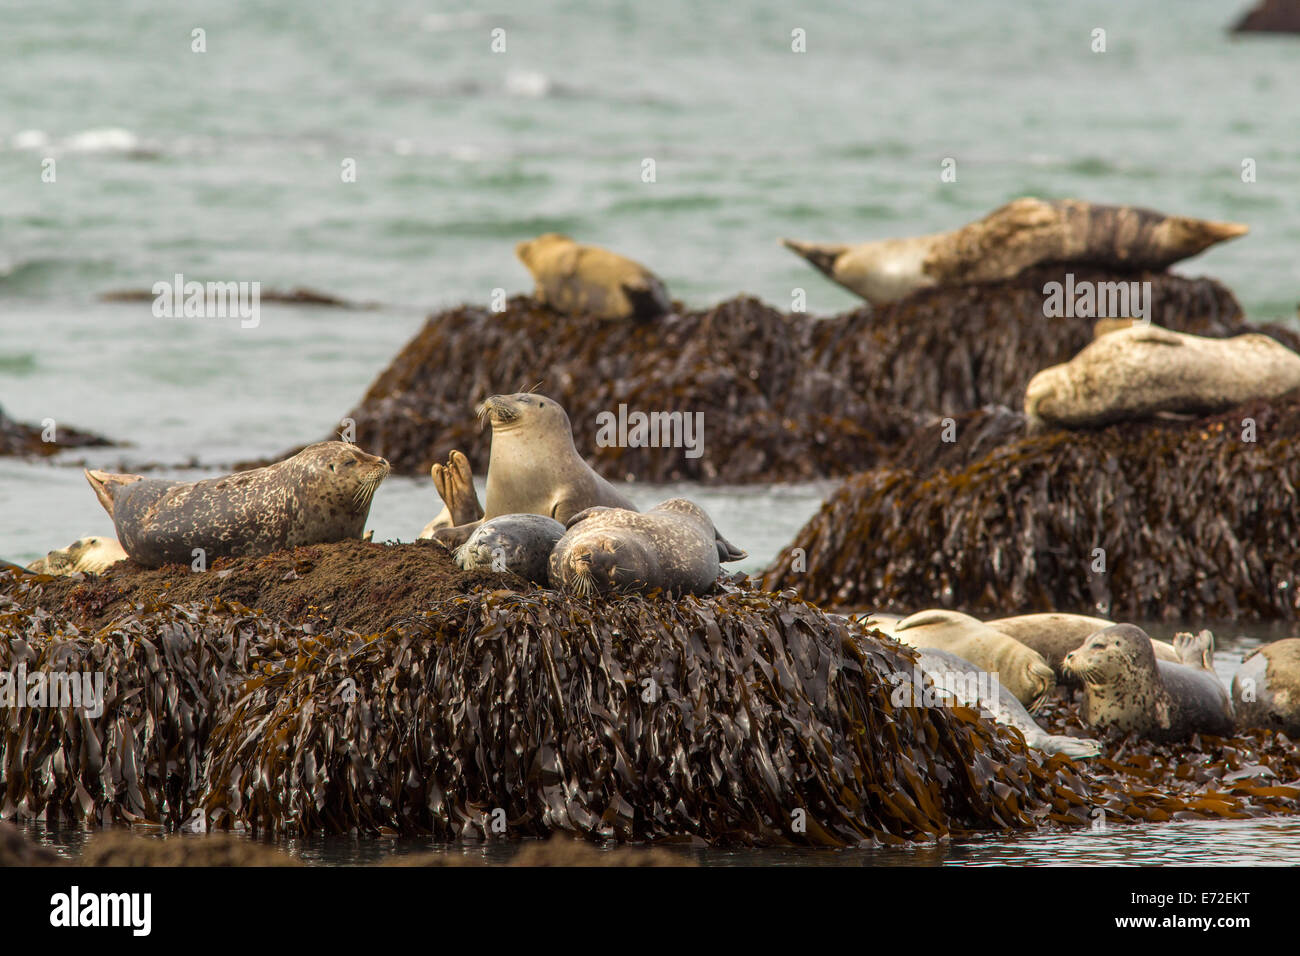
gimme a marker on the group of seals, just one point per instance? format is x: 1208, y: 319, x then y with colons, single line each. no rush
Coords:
x: 1024, y: 233
x: 592, y: 539
x: 953, y: 674
x: 533, y: 468
x: 321, y: 494
x: 1021, y: 670
x: 1054, y: 635
x: 673, y: 546
x: 1127, y: 689
x: 1141, y: 371
x: 586, y: 280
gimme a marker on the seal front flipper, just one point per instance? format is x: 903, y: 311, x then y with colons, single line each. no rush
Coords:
x: 584, y: 514
x: 728, y: 551
x: 1195, y: 651
x: 106, y: 484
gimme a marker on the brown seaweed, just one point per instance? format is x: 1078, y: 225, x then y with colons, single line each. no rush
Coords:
x: 785, y: 397
x: 1194, y: 523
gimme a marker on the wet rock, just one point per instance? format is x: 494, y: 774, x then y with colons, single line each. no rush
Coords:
x: 19, y: 439
x: 1270, y: 16
x: 785, y: 397
x: 1192, y: 518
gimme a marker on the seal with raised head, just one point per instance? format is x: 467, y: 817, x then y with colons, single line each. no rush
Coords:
x: 576, y: 279
x: 1266, y: 688
x: 520, y: 544
x: 1024, y: 233
x: 1055, y: 635
x: 1128, y: 690
x: 89, y: 555
x: 971, y: 686
x: 1021, y: 670
x: 534, y: 468
x: 321, y: 494
x: 1143, y: 371
x: 673, y: 546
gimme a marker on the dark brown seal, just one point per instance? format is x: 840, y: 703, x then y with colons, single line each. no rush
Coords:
x: 1127, y: 689
x: 321, y: 494
x: 673, y: 547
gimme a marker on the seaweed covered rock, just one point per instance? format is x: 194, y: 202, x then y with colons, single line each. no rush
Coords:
x: 744, y: 718
x: 785, y: 397
x: 1270, y: 16
x: 17, y: 438
x: 1170, y: 520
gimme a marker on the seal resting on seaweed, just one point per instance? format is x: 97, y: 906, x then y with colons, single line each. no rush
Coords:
x: 673, y: 546
x: 586, y: 280
x: 321, y: 494
x: 972, y: 686
x: 1055, y: 635
x: 1024, y: 233
x: 1266, y: 689
x: 1024, y: 672
x: 521, y: 544
x: 1127, y: 689
x: 90, y: 555
x: 534, y: 468
x: 1143, y: 371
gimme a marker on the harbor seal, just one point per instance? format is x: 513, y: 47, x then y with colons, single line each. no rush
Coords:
x: 1127, y: 689
x: 321, y: 494
x: 1055, y: 635
x: 1266, y: 688
x: 533, y: 468
x: 1024, y: 233
x: 1139, y: 372
x: 1021, y: 670
x: 90, y: 555
x: 521, y: 544
x: 971, y: 686
x: 673, y: 546
x: 586, y: 280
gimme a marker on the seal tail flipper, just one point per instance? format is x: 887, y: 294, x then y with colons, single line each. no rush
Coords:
x: 1076, y: 748
x: 1196, y: 235
x: 649, y: 301
x: 1195, y: 651
x: 821, y: 256
x: 106, y: 484
x: 728, y: 551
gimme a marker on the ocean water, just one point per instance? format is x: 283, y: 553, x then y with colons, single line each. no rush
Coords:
x: 226, y: 165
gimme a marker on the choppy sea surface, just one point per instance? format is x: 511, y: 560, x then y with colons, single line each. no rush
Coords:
x: 226, y: 165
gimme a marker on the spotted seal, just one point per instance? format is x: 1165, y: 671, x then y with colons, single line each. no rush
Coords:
x: 1266, y: 688
x: 90, y: 555
x: 321, y: 494
x: 586, y: 280
x: 521, y: 544
x: 1143, y: 371
x: 1021, y: 670
x: 673, y: 546
x: 1055, y: 635
x: 1024, y: 233
x: 1128, y: 690
x: 973, y: 687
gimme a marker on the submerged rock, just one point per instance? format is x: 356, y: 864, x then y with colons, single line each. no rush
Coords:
x: 784, y: 397
x: 19, y: 439
x: 1169, y: 520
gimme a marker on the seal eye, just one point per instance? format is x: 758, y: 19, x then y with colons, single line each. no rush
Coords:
x: 332, y: 468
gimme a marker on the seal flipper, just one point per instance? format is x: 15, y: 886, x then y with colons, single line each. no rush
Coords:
x: 649, y: 301
x: 728, y: 551
x: 10, y: 566
x: 1195, y: 651
x: 822, y: 257
x: 106, y: 484
x: 587, y: 513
